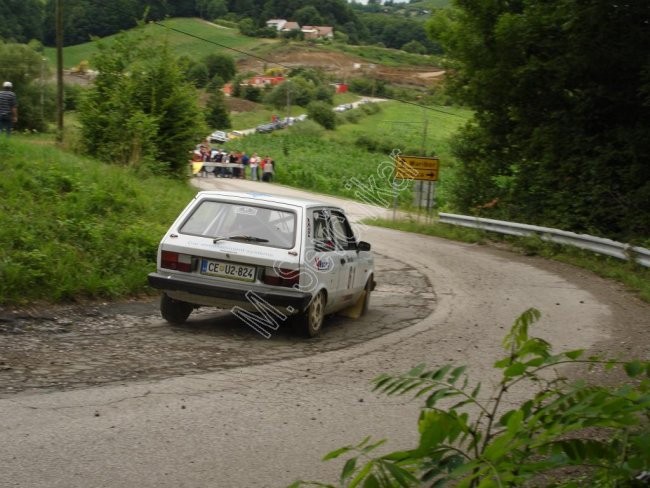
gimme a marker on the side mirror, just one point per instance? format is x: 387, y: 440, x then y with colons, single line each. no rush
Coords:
x: 363, y: 246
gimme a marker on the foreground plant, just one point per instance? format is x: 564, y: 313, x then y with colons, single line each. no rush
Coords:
x: 473, y: 442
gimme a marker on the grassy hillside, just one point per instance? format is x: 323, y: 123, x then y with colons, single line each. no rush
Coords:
x: 195, y: 47
x: 182, y: 44
x: 326, y: 161
x: 73, y: 227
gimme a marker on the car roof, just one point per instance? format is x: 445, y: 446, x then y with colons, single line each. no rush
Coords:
x: 264, y: 197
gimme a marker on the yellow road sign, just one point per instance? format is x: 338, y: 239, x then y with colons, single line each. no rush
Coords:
x: 417, y: 168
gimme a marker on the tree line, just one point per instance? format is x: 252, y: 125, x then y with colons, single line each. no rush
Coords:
x: 26, y: 20
x: 561, y: 94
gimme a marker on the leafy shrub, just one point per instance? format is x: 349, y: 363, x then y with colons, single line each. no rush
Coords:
x: 374, y: 145
x: 198, y: 74
x: 323, y: 114
x: 475, y: 443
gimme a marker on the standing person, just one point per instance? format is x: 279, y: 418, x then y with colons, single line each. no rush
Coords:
x: 8, y: 108
x: 245, y: 160
x: 254, y: 161
x: 267, y: 171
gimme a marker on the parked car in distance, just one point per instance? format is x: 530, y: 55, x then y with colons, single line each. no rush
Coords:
x: 273, y: 258
x: 218, y: 136
x: 235, y: 134
x: 263, y: 128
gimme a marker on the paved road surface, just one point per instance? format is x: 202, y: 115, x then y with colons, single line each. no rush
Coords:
x: 269, y: 423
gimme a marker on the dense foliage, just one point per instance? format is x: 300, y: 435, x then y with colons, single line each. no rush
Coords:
x: 561, y: 92
x: 25, y: 68
x: 140, y: 110
x: 75, y: 228
x: 23, y: 21
x: 469, y: 440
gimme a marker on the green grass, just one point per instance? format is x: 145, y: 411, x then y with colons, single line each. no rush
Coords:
x: 403, y: 126
x: 635, y: 277
x: 181, y: 44
x: 262, y: 115
x: 75, y: 228
x: 312, y: 158
x: 207, y: 38
x: 386, y: 56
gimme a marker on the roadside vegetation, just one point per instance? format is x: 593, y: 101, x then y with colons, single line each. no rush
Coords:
x: 635, y: 277
x: 566, y: 434
x: 75, y: 228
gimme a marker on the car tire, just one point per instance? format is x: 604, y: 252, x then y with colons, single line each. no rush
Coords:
x: 310, y: 322
x: 174, y: 311
x: 366, y: 296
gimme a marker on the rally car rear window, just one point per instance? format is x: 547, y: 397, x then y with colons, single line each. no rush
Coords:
x: 265, y: 226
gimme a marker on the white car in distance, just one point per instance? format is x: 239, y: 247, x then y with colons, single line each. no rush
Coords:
x: 268, y: 259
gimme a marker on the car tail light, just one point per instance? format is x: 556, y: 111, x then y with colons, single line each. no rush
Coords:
x: 281, y: 277
x: 177, y: 261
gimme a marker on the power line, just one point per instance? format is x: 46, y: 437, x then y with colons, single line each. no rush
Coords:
x: 433, y: 109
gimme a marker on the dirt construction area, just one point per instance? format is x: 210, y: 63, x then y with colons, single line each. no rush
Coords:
x: 344, y: 66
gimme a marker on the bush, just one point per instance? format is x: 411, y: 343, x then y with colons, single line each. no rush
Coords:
x: 71, y: 95
x: 198, y: 74
x: 477, y: 443
x: 323, y: 114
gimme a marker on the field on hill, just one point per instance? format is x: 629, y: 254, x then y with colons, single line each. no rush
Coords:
x: 310, y: 157
x: 197, y: 38
x: 217, y: 39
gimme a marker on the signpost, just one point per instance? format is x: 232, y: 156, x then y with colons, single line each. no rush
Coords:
x: 424, y: 172
x: 417, y: 168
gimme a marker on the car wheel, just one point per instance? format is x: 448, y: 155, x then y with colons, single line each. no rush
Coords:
x: 174, y: 311
x: 366, y: 296
x: 310, y: 322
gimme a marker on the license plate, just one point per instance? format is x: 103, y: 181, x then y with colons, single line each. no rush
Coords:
x: 228, y: 270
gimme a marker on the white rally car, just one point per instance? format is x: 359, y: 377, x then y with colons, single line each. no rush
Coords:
x: 268, y: 259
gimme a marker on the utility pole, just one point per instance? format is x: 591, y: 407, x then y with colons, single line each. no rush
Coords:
x: 288, y: 98
x: 59, y: 71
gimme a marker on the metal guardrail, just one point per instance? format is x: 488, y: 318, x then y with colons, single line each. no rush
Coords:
x: 598, y: 245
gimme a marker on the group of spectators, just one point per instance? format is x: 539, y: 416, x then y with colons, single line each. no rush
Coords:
x: 240, y: 164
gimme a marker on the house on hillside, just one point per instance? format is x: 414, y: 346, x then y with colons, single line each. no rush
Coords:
x: 276, y: 24
x: 340, y: 87
x: 256, y: 81
x: 318, y: 31
x: 290, y: 26
x: 262, y: 81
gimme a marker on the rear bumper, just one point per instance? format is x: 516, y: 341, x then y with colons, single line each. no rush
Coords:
x: 232, y: 292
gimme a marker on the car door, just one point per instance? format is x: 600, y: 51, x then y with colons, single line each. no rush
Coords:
x: 349, y: 280
x: 321, y: 261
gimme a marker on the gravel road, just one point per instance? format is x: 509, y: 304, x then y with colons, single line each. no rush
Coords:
x: 110, y: 396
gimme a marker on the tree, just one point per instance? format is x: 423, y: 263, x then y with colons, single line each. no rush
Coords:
x: 198, y: 74
x: 140, y: 110
x: 26, y: 69
x: 217, y: 116
x: 308, y: 15
x: 21, y: 20
x: 296, y: 91
x: 252, y: 93
x: 414, y: 47
x: 322, y: 113
x: 220, y: 64
x: 561, y: 134
x: 216, y: 9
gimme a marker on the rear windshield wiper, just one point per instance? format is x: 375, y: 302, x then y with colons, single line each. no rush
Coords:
x: 248, y: 238
x: 239, y: 238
